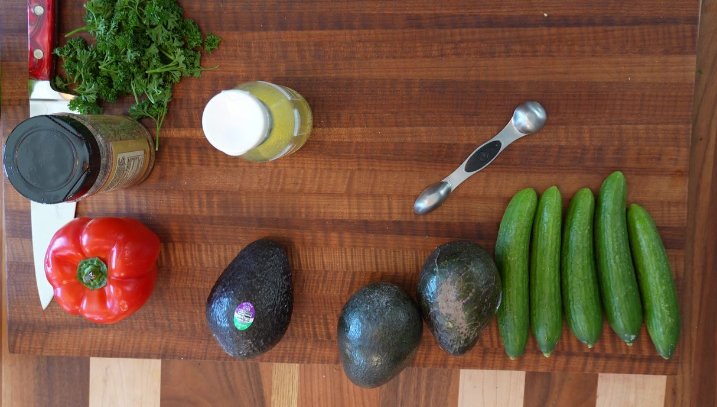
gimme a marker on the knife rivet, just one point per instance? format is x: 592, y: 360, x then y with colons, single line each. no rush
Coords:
x: 38, y: 54
x: 38, y: 10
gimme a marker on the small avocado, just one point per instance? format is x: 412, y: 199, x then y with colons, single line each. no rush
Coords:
x: 459, y: 291
x: 249, y: 307
x: 378, y: 333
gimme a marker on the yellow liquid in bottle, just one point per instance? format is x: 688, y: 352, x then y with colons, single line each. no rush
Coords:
x: 290, y: 125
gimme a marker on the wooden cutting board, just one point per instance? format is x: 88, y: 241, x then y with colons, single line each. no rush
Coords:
x: 401, y: 92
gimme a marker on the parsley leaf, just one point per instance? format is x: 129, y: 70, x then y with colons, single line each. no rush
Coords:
x: 211, y: 42
x: 141, y: 48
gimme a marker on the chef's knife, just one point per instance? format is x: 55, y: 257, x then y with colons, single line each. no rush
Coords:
x: 45, y: 219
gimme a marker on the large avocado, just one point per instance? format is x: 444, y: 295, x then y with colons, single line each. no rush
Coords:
x: 249, y: 307
x: 459, y: 291
x: 379, y: 330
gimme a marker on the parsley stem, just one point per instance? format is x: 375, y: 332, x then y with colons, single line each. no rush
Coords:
x: 169, y: 67
x: 77, y: 30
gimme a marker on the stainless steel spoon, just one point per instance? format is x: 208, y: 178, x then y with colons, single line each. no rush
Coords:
x: 528, y: 118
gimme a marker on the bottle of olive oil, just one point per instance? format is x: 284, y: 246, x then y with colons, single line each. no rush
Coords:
x: 258, y: 121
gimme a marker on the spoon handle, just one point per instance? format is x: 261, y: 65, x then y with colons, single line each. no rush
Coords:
x: 484, y: 155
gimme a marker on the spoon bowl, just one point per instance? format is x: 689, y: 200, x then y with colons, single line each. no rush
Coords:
x: 529, y: 117
x: 431, y: 197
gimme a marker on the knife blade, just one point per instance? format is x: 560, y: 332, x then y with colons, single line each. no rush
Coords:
x: 45, y: 219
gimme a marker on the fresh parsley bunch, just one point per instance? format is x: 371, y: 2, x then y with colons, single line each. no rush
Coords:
x: 141, y: 48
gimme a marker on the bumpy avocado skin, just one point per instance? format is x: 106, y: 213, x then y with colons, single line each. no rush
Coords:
x: 260, y: 275
x: 459, y: 291
x: 378, y: 332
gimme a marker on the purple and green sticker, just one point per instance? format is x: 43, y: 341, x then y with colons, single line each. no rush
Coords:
x: 244, y: 316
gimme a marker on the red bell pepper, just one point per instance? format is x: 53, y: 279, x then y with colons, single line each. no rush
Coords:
x: 103, y: 269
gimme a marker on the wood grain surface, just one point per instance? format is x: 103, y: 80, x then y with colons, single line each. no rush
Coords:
x: 53, y: 381
x: 284, y: 384
x: 401, y: 93
x: 30, y: 380
x: 630, y: 390
x: 422, y: 387
x: 560, y: 389
x: 327, y: 386
x: 696, y: 379
x: 492, y: 388
x: 125, y: 382
x: 191, y: 383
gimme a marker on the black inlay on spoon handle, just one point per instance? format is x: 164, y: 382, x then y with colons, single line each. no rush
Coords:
x: 482, y: 156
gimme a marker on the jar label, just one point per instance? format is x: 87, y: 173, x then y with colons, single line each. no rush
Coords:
x: 244, y: 316
x: 126, y: 149
x: 127, y: 167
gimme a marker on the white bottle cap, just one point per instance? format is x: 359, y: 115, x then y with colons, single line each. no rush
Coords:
x: 235, y: 121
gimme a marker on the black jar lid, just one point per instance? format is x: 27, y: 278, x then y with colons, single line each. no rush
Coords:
x: 51, y: 159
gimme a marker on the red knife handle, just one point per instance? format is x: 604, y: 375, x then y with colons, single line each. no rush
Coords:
x: 41, y: 34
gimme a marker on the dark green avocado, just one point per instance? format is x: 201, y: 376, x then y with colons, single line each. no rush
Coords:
x: 378, y: 333
x: 249, y: 307
x: 459, y: 291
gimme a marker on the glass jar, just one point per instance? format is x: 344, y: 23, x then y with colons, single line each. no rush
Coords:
x: 67, y: 157
x: 258, y: 121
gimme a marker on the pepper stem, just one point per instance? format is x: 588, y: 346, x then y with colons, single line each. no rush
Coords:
x: 92, y: 273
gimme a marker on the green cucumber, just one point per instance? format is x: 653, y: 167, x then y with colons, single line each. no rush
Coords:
x: 581, y: 294
x: 511, y: 255
x: 546, y: 315
x: 618, y: 284
x: 659, y: 295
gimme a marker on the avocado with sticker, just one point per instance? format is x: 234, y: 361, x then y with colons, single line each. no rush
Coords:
x: 249, y: 307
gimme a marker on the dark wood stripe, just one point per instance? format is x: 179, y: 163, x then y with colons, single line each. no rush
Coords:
x: 462, y: 137
x: 45, y: 381
x: 325, y: 232
x: 385, y: 103
x: 671, y: 391
x: 560, y: 389
x: 192, y: 383
x: 380, y: 44
x: 695, y: 383
x: 12, y: 25
x: 328, y: 386
x: 580, y: 7
x: 397, y: 153
x: 422, y: 387
x: 614, y: 69
x: 370, y: 15
x: 320, y: 19
x: 61, y: 381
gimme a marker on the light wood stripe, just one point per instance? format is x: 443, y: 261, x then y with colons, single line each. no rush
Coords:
x: 487, y: 388
x: 284, y: 385
x: 125, y: 382
x: 630, y: 390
